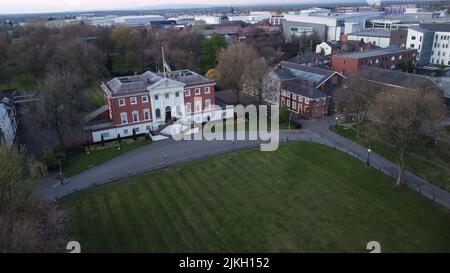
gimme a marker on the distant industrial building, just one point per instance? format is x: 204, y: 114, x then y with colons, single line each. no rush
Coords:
x: 328, y: 27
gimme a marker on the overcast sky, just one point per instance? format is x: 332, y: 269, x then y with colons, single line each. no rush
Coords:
x: 33, y: 6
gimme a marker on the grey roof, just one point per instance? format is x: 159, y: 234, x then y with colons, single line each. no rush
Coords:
x: 298, y: 87
x: 308, y: 57
x: 220, y: 31
x: 391, y: 77
x: 445, y: 27
x: 132, y: 84
x: 187, y: 77
x: 139, y: 83
x: 373, y: 52
x: 373, y: 33
x: 312, y: 74
x: 283, y: 73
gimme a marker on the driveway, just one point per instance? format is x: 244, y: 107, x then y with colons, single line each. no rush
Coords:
x: 170, y: 152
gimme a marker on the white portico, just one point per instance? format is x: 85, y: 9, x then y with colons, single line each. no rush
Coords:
x: 167, y: 100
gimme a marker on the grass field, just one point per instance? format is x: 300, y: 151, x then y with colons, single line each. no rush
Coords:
x: 304, y: 197
x: 440, y: 176
x: 79, y: 162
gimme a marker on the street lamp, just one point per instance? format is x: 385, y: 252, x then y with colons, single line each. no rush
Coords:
x: 336, y: 122
x: 368, y: 156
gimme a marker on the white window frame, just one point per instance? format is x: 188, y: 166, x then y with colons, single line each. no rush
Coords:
x: 122, y: 102
x: 188, y: 107
x: 207, y: 104
x: 133, y: 115
x: 207, y: 90
x: 187, y: 93
x: 197, y: 103
x: 122, y: 115
x: 156, y: 97
x: 147, y: 111
x: 133, y: 100
x: 197, y: 91
x: 145, y: 99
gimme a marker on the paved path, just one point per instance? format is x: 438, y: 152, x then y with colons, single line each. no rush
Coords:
x: 170, y: 152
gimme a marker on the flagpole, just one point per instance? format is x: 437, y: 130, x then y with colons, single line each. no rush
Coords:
x: 164, y: 65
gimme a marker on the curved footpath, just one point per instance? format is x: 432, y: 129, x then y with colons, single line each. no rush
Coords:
x: 171, y: 152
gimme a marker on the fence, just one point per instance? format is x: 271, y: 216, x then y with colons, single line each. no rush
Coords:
x: 423, y: 188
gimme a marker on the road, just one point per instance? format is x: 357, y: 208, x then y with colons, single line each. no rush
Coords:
x: 170, y: 152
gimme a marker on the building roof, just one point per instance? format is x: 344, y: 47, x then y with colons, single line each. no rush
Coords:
x: 309, y: 57
x: 444, y: 27
x: 312, y: 74
x: 187, y: 77
x: 373, y: 33
x: 298, y: 87
x: 283, y: 73
x: 395, y: 78
x: 132, y: 84
x: 139, y: 83
x: 373, y: 52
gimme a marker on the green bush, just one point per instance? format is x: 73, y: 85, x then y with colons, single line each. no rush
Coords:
x: 50, y: 158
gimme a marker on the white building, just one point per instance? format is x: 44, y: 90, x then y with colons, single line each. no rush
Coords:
x: 8, y: 124
x: 276, y: 19
x: 212, y: 20
x: 432, y: 42
x: 142, y: 20
x: 252, y: 18
x: 325, y: 47
x: 329, y: 27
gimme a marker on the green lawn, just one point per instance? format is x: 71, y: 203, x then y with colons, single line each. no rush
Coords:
x: 79, y: 162
x: 23, y: 81
x: 423, y: 168
x: 305, y: 197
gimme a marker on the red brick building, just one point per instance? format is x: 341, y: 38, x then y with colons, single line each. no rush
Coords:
x: 306, y: 91
x: 142, y: 103
x: 387, y: 58
x: 304, y: 100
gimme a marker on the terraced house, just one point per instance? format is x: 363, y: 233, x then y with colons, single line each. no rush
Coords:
x: 144, y: 103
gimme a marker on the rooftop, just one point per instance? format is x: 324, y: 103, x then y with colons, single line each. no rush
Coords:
x: 139, y: 83
x: 187, y: 77
x: 373, y: 33
x: 445, y: 27
x: 312, y: 74
x: 132, y: 84
x: 373, y: 52
x: 396, y: 78
x: 298, y: 87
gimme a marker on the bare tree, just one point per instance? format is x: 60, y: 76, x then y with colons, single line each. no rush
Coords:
x: 400, y: 116
x: 232, y: 63
x: 60, y: 103
x: 253, y: 78
x: 356, y: 98
x: 27, y: 223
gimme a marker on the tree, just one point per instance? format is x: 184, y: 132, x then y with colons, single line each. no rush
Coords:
x: 356, y: 98
x: 212, y: 74
x: 407, y: 66
x: 401, y: 116
x: 60, y: 103
x: 253, y: 78
x: 211, y: 48
x: 27, y: 223
x: 284, y: 114
x: 232, y: 62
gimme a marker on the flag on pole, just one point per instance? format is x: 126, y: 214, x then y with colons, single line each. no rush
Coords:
x: 167, y: 66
